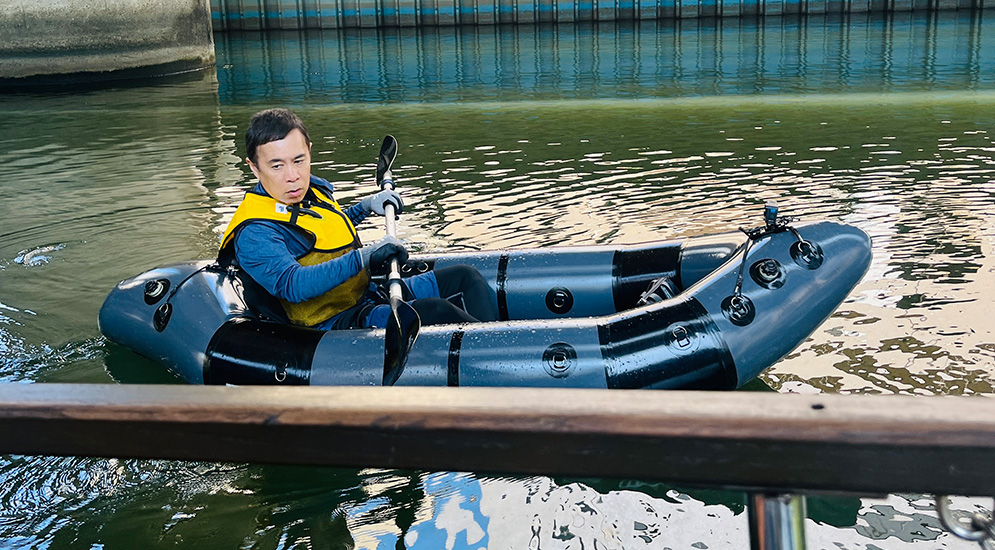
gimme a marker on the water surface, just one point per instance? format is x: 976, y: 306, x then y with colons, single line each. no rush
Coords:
x: 513, y: 138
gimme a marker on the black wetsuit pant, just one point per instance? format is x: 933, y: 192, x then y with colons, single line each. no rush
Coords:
x: 458, y: 281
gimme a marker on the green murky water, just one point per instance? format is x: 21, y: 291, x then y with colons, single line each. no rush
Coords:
x: 512, y: 138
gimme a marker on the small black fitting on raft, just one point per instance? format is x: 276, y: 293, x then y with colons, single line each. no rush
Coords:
x: 739, y: 309
x: 161, y: 316
x: 558, y: 359
x: 559, y: 300
x: 806, y: 254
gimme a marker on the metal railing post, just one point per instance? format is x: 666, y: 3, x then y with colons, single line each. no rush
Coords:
x: 777, y: 521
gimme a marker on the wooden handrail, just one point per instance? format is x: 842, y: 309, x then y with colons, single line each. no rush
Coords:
x: 749, y: 440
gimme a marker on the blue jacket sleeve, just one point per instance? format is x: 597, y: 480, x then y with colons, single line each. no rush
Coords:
x: 356, y: 214
x: 268, y: 252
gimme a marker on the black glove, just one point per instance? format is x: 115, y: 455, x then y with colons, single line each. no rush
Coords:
x: 376, y: 256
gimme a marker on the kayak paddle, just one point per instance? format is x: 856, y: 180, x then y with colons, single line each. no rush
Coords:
x: 403, y: 323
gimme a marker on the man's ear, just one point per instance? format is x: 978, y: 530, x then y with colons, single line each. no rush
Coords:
x: 252, y: 166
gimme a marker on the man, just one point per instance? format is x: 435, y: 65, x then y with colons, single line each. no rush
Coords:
x: 292, y: 238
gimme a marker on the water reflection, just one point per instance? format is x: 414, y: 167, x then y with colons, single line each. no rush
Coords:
x: 96, y: 181
x: 895, y: 132
x: 675, y: 58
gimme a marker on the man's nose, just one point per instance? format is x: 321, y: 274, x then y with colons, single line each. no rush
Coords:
x: 293, y: 174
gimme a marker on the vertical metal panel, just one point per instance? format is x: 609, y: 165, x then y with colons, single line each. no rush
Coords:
x: 251, y: 14
x: 729, y: 8
x: 564, y: 11
x: 486, y: 12
x: 647, y: 9
x: 407, y: 11
x: 546, y: 11
x: 390, y: 14
x: 348, y: 13
x: 328, y: 14
x: 310, y: 14
x: 238, y: 15
x: 268, y: 7
x: 687, y: 9
x: 369, y: 13
x: 750, y: 8
x: 506, y: 10
x: 792, y: 6
x: 447, y: 12
x: 626, y: 10
x: 464, y: 12
x: 526, y: 11
x: 584, y: 10
x: 606, y: 10
x: 859, y: 6
x: 428, y: 13
x: 219, y: 15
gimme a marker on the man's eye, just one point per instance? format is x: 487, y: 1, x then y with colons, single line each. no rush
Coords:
x: 276, y: 166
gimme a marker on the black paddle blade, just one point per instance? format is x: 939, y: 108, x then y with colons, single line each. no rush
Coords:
x: 388, y: 150
x: 402, y: 330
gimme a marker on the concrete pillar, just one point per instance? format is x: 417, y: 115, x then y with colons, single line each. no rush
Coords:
x: 71, y: 41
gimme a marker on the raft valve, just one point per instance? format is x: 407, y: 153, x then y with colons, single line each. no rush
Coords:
x: 767, y: 273
x: 155, y: 290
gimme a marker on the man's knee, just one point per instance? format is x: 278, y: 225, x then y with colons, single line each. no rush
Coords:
x: 436, y: 311
x: 459, y: 277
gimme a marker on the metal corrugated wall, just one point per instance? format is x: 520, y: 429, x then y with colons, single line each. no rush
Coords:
x: 298, y: 14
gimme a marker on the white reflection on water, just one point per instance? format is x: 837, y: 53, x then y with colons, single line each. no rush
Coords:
x: 469, y: 512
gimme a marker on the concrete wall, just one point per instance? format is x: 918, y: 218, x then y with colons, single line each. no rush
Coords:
x: 103, y: 39
x: 293, y: 14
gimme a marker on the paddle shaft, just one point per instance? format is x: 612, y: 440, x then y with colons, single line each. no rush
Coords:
x: 394, y: 277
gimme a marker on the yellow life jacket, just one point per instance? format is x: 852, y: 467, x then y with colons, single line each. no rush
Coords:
x: 332, y: 234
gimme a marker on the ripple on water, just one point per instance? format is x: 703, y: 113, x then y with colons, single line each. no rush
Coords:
x: 21, y: 362
x: 39, y: 255
x: 48, y: 496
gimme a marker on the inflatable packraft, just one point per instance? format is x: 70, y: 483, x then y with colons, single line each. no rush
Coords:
x: 707, y: 312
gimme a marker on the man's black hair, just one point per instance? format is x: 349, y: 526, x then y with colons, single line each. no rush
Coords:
x: 271, y: 125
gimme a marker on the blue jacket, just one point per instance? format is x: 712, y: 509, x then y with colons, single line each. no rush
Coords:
x: 268, y: 252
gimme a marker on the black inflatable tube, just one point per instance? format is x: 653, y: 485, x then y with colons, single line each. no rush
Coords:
x: 246, y: 351
x: 669, y: 345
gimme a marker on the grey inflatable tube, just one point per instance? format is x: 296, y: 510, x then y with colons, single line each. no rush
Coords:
x: 570, y: 317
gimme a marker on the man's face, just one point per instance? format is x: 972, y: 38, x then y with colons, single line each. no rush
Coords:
x: 284, y: 167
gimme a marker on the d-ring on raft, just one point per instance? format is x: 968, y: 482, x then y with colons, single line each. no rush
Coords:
x: 707, y: 312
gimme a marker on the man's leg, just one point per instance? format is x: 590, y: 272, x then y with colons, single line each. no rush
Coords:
x: 439, y: 311
x: 477, y: 294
